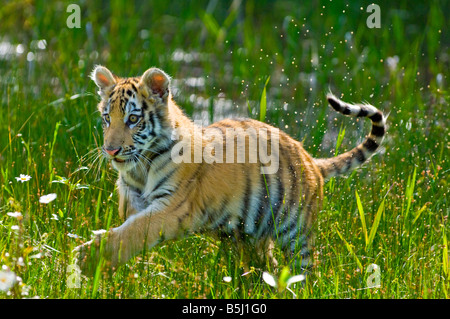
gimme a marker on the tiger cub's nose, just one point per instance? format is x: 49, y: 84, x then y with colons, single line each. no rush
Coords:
x: 113, y: 152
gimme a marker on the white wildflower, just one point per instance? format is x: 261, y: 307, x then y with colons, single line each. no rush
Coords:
x: 99, y: 232
x: 269, y: 279
x: 392, y: 62
x: 25, y: 290
x: 23, y: 178
x: 17, y: 215
x: 7, y: 279
x: 20, y: 261
x: 295, y: 279
x: 227, y: 279
x: 47, y: 198
x: 37, y: 256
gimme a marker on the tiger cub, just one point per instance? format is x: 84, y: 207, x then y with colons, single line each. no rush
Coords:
x: 238, y: 178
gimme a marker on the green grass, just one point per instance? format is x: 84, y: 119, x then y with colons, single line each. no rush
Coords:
x: 393, y: 212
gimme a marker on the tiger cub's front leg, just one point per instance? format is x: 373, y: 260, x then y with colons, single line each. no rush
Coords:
x: 141, y: 231
x: 130, y: 201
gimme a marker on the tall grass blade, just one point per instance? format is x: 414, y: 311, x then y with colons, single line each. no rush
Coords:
x: 249, y: 109
x: 339, y: 140
x: 210, y: 23
x: 363, y: 219
x: 349, y: 248
x: 50, y: 160
x: 376, y: 222
x: 263, y: 103
x: 419, y: 212
x: 410, y: 191
x: 445, y: 255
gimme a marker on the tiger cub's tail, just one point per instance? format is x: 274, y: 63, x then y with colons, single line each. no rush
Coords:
x: 346, y: 162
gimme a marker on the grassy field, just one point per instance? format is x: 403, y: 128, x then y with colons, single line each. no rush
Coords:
x: 393, y: 212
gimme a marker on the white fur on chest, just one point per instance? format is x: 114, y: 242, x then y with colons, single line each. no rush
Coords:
x: 150, y: 190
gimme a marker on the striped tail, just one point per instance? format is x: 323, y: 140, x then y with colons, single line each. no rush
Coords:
x: 346, y: 162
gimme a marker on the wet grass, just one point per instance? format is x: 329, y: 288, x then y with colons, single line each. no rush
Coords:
x: 393, y: 212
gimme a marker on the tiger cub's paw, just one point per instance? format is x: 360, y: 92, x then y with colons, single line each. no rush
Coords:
x: 92, y: 254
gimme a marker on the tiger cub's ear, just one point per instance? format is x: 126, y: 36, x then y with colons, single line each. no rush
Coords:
x: 103, y: 78
x: 157, y: 81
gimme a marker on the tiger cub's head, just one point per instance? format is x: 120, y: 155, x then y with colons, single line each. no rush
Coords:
x: 134, y: 113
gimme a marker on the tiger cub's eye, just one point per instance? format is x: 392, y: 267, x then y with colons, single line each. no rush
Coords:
x: 106, y: 117
x: 133, y: 119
